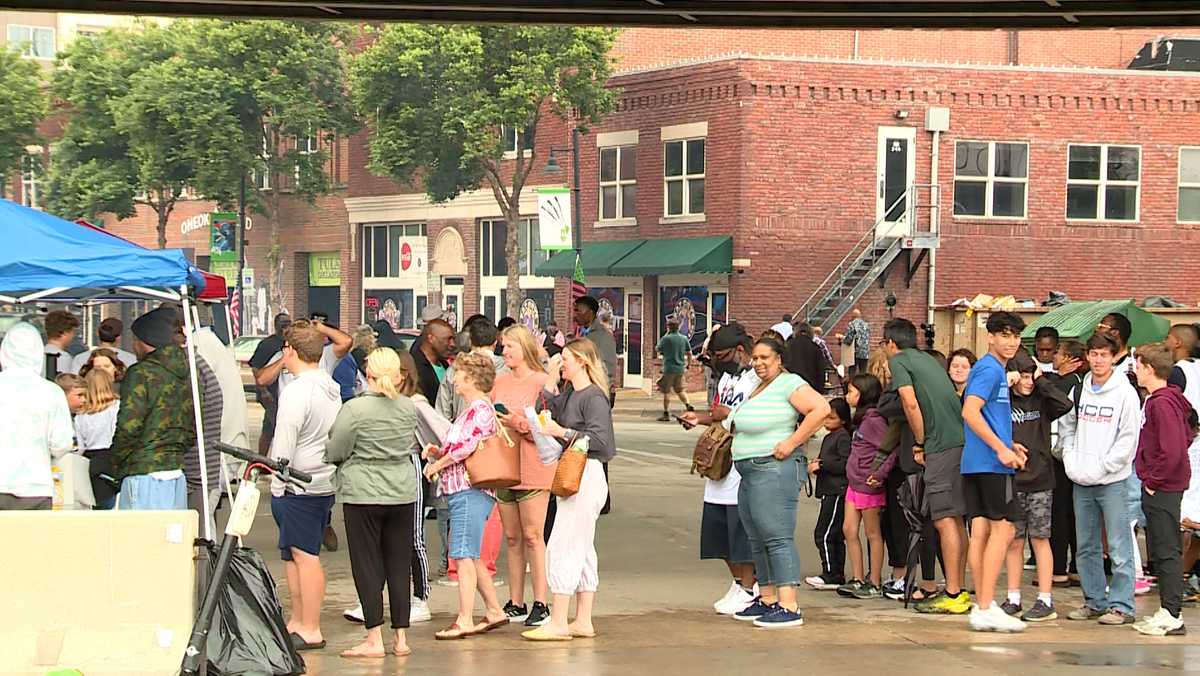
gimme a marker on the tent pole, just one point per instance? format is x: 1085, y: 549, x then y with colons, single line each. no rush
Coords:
x: 197, y: 414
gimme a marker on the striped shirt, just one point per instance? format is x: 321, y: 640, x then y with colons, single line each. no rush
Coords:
x: 474, y: 425
x: 764, y: 420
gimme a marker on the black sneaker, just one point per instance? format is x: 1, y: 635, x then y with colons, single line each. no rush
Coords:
x: 665, y: 417
x: 538, y: 615
x: 514, y: 612
x: 1040, y: 612
x: 1011, y: 609
x: 849, y: 589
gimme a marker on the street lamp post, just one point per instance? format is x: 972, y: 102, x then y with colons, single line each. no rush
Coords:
x: 552, y: 167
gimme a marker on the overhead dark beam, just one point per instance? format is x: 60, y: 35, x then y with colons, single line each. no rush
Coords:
x: 750, y: 13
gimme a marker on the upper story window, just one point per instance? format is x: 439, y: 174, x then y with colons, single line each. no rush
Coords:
x: 30, y: 181
x: 493, y: 235
x: 683, y: 175
x: 383, y: 248
x: 35, y: 42
x: 618, y: 183
x: 991, y: 179
x: 508, y: 136
x: 1103, y: 182
x: 1189, y: 185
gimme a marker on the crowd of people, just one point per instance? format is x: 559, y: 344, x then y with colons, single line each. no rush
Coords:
x: 1073, y: 449
x: 955, y: 461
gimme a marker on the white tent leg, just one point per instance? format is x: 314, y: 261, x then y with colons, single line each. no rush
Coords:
x: 205, y: 516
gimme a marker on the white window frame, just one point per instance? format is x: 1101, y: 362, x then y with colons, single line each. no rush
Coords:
x: 526, y: 263
x: 685, y: 178
x: 1104, y: 182
x: 1181, y: 185
x: 368, y: 251
x: 507, y: 134
x: 26, y: 48
x: 263, y: 181
x: 30, y: 181
x: 990, y: 180
x: 308, y: 144
x: 617, y: 184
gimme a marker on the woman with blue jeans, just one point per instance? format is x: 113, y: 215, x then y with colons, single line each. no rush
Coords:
x: 470, y: 507
x: 766, y: 437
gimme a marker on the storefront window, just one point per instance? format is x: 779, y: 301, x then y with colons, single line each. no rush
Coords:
x: 612, y: 312
x: 687, y: 305
x: 396, y: 307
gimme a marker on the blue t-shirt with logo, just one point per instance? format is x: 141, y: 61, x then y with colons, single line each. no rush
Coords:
x: 989, y: 382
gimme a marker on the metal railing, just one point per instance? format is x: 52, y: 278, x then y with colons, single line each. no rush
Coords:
x: 858, y: 249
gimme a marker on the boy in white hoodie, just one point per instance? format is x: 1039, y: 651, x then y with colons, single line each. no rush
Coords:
x: 1099, y: 439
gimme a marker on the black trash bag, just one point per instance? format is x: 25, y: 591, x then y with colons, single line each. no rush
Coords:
x: 1056, y: 299
x: 915, y: 504
x: 1161, y: 302
x: 248, y: 634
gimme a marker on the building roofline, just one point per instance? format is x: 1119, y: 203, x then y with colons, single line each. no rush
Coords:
x: 891, y: 63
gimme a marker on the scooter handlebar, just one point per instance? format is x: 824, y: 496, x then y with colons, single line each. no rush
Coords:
x: 277, y: 466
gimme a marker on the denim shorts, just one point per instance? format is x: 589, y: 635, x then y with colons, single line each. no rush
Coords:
x: 144, y: 491
x: 469, y: 512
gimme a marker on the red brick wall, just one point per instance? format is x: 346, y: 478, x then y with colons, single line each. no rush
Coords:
x: 645, y: 47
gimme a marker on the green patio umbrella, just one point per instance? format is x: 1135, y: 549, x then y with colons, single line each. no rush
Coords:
x: 1079, y: 320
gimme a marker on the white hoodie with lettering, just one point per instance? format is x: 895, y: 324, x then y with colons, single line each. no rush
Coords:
x: 1100, y: 437
x: 34, y: 418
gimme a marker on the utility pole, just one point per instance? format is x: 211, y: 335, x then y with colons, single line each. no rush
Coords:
x: 241, y: 244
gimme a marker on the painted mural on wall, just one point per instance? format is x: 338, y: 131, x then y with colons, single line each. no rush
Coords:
x: 688, y: 306
x: 612, y: 312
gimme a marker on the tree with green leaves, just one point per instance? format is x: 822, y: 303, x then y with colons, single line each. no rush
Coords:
x: 438, y: 97
x: 200, y: 104
x: 22, y: 106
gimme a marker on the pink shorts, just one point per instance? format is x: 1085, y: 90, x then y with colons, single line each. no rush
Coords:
x: 865, y: 500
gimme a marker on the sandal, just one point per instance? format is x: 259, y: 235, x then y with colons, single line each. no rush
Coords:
x: 490, y: 626
x: 453, y: 633
x: 402, y: 653
x: 919, y: 595
x: 540, y: 634
x: 299, y: 643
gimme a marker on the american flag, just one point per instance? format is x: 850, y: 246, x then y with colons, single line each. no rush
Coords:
x: 578, y: 283
x: 235, y: 314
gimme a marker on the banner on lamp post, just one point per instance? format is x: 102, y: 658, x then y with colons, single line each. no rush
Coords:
x: 554, y: 218
x: 223, y: 242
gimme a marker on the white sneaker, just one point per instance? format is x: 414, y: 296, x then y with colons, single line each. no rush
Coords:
x: 354, y: 614
x: 729, y: 595
x: 740, y: 601
x: 1161, y: 623
x: 994, y: 619
x: 418, y: 611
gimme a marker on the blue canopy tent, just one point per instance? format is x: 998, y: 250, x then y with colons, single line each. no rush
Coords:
x: 45, y: 259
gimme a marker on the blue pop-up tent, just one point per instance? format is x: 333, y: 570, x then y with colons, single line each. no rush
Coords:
x: 45, y: 258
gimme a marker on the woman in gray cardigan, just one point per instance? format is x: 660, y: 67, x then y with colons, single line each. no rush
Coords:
x: 371, y: 443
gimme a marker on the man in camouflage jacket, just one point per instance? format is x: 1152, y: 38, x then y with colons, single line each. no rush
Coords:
x: 155, y: 426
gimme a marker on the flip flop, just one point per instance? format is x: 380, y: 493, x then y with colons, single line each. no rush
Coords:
x: 299, y: 643
x: 491, y: 626
x: 349, y: 655
x: 453, y: 633
x: 402, y: 653
x: 540, y: 634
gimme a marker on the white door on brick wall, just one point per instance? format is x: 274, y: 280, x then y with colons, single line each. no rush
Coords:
x: 895, y: 169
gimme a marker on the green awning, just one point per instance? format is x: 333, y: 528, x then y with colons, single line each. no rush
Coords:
x: 598, y: 258
x: 680, y: 256
x: 638, y: 257
x: 1079, y: 320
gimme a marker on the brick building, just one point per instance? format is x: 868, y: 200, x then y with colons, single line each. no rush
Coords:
x: 742, y: 165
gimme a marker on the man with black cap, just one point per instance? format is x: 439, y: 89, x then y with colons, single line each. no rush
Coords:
x: 155, y: 426
x: 109, y: 334
x: 722, y: 535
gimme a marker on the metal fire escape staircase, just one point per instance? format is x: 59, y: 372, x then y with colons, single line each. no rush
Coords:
x: 871, y: 258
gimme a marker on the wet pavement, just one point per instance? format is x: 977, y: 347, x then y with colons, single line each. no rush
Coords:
x: 654, y: 614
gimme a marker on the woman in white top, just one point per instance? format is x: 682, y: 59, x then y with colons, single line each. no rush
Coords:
x: 94, y: 428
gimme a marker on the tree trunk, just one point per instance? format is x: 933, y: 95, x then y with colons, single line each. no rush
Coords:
x: 512, y: 257
x: 164, y: 213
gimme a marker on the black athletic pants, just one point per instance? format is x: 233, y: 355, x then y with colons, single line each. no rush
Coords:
x: 1062, y: 522
x: 828, y: 536
x: 381, y: 549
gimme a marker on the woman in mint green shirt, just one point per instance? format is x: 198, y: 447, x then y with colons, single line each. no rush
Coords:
x: 778, y: 417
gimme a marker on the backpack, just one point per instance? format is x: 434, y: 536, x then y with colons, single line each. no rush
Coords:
x: 713, y: 456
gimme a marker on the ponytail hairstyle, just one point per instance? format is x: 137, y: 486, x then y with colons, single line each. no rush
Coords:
x: 98, y: 391
x: 869, y: 389
x: 383, y: 368
x: 585, y: 351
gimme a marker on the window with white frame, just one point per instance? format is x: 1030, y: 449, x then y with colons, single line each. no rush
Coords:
x: 306, y: 145
x: 30, y: 181
x: 1189, y: 185
x: 35, y: 42
x: 991, y: 179
x: 508, y: 137
x: 1103, y: 182
x: 383, y: 247
x: 618, y: 183
x: 262, y: 179
x: 683, y: 174
x: 493, y: 235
